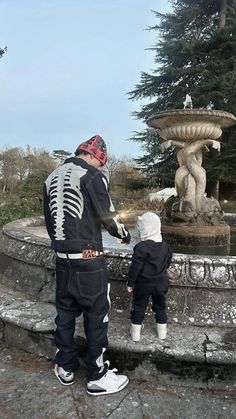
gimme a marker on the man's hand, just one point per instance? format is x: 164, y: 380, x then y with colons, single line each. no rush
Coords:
x: 126, y: 240
x: 130, y: 289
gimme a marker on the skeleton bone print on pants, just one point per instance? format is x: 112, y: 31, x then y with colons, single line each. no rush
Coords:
x: 63, y: 187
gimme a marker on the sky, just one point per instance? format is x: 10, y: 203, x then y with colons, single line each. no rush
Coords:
x: 68, y: 68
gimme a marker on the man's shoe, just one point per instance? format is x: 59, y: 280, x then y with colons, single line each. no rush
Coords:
x: 65, y: 377
x: 109, y: 383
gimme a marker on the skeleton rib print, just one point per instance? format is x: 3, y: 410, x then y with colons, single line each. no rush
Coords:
x: 63, y: 188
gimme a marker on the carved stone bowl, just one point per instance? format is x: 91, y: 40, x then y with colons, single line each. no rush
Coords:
x: 191, y: 124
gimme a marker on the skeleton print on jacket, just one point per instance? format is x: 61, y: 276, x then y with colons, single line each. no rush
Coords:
x: 76, y: 205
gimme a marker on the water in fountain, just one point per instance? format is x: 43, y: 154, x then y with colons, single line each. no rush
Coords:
x: 230, y: 250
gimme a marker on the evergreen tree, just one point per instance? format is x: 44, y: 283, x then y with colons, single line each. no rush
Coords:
x: 2, y: 51
x: 196, y: 54
x: 61, y: 155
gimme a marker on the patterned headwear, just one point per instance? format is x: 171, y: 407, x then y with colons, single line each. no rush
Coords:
x: 96, y: 147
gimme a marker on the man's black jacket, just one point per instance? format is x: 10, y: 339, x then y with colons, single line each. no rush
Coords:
x: 76, y: 205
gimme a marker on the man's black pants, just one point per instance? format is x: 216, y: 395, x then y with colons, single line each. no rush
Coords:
x: 141, y: 296
x: 82, y: 287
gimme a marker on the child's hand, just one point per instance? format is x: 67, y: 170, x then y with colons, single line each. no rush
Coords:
x: 130, y: 289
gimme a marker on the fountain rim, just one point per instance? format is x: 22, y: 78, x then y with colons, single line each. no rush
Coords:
x: 14, y: 230
x: 172, y: 117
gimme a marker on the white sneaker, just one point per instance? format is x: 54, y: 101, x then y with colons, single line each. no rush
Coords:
x: 65, y: 377
x: 109, y: 383
x: 135, y: 331
x: 161, y: 330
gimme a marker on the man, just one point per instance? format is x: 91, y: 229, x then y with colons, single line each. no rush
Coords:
x: 76, y: 205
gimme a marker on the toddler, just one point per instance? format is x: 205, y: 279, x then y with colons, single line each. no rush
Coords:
x: 148, y: 276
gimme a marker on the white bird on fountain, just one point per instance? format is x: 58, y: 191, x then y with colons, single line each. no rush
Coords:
x: 188, y: 104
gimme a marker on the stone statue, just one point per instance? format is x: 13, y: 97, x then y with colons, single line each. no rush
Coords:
x: 190, y: 180
x: 193, y: 131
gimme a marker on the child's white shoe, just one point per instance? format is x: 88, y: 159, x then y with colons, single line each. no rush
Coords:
x: 135, y: 332
x: 161, y: 330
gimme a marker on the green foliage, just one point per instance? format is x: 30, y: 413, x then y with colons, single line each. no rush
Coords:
x: 27, y: 202
x: 127, y: 206
x: 32, y: 186
x: 16, y: 164
x: 195, y: 54
x: 135, y: 183
x: 228, y: 206
x: 158, y: 168
x: 14, y: 207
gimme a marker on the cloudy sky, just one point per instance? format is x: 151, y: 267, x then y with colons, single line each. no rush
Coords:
x: 68, y: 68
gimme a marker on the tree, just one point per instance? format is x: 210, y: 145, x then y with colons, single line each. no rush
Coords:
x: 32, y: 186
x: 111, y: 167
x: 61, y: 155
x: 126, y: 179
x: 195, y: 54
x: 10, y: 168
x: 2, y: 51
x: 43, y: 161
x: 16, y: 164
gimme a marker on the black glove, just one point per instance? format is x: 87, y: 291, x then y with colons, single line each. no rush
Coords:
x: 126, y: 240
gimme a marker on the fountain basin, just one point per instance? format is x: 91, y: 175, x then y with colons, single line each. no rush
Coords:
x: 186, y: 234
x: 191, y: 124
x: 202, y: 288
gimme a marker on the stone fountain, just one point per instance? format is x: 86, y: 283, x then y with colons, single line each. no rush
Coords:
x: 201, y: 299
x: 192, y: 216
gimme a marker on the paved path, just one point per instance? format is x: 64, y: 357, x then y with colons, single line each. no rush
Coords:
x: 29, y: 390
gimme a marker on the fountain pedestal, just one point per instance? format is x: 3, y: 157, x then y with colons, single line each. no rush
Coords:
x: 195, y: 234
x: 194, y: 132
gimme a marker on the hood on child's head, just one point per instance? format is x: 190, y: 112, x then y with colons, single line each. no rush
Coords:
x: 149, y: 226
